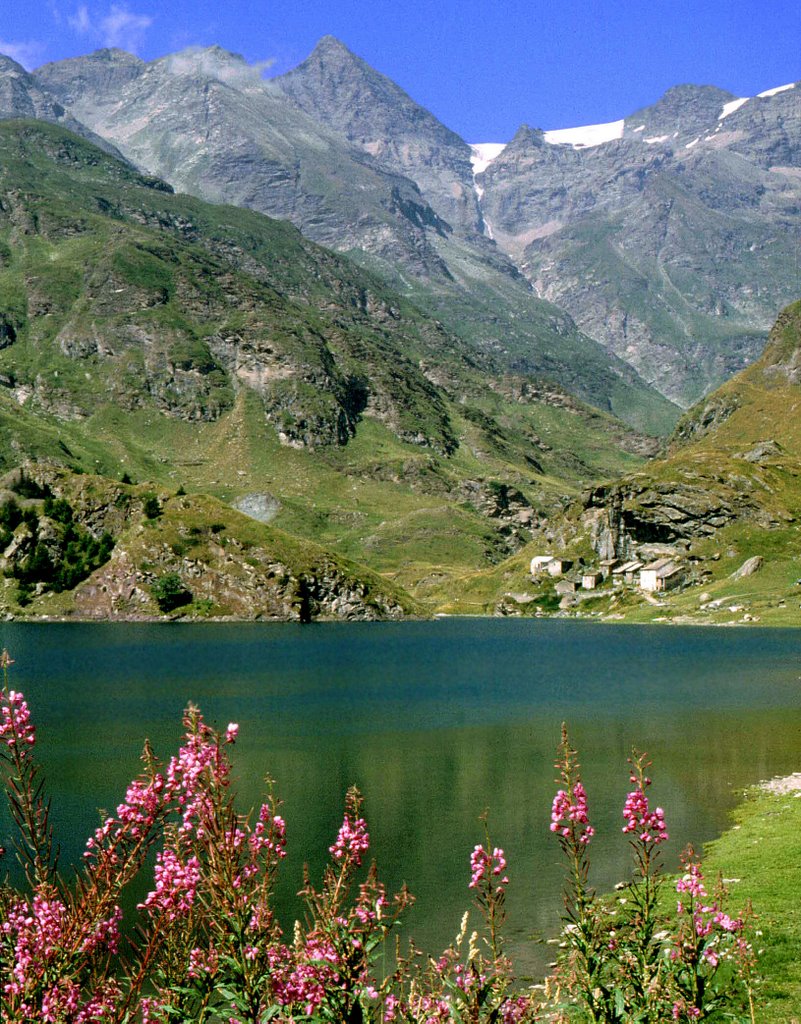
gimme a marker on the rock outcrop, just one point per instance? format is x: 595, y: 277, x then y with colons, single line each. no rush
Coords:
x: 634, y: 512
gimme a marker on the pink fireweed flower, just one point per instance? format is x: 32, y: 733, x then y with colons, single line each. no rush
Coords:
x: 60, y: 1001
x: 105, y: 934
x: 682, y: 1011
x: 198, y: 766
x: 647, y: 825
x: 484, y: 864
x: 36, y: 932
x: 176, y: 885
x: 353, y: 840
x: 16, y: 728
x: 692, y: 882
x: 567, y: 814
x: 231, y: 732
x: 728, y: 924
x: 269, y: 833
x: 301, y: 978
x: 202, y: 962
x: 514, y: 1010
x: 144, y: 801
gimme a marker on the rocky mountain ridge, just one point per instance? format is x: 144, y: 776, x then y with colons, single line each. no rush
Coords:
x: 667, y: 236
x: 208, y: 124
x: 149, y: 334
x: 674, y: 241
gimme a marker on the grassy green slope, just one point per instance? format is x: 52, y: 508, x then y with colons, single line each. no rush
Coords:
x: 154, y: 334
x: 763, y: 852
x: 504, y: 321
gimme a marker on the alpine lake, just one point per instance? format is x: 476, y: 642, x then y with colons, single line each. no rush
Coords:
x: 435, y: 722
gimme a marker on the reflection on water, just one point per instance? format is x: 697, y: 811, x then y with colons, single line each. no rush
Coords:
x: 435, y: 722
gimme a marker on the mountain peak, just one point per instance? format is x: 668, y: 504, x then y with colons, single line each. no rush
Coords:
x: 8, y: 64
x: 526, y: 136
x: 113, y: 54
x: 215, y: 52
x: 335, y: 84
x: 687, y: 109
x: 330, y: 46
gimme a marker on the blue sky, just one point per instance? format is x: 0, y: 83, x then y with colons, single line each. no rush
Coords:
x: 483, y: 68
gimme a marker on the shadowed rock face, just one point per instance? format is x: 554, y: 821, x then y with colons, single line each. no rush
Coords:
x: 633, y: 513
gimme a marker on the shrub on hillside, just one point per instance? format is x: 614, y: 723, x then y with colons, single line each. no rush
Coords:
x: 169, y: 592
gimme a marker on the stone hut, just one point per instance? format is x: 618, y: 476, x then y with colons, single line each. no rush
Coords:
x: 663, y: 574
x: 559, y: 566
x: 591, y: 578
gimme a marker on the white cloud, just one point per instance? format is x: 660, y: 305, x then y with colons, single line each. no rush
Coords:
x: 213, y: 62
x: 80, y: 21
x: 120, y: 27
x: 124, y: 29
x: 28, y: 54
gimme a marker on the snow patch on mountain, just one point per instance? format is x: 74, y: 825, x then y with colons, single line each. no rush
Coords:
x: 481, y: 156
x: 586, y: 136
x: 776, y: 91
x: 731, y: 106
x: 483, y: 153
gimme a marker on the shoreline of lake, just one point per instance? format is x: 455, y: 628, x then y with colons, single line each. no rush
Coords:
x: 610, y: 620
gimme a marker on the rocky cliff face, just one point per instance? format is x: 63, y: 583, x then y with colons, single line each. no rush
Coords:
x: 672, y: 243
x: 21, y: 96
x: 228, y: 566
x: 638, y: 513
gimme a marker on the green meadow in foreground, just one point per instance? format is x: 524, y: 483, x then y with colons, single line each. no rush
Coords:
x: 762, y: 851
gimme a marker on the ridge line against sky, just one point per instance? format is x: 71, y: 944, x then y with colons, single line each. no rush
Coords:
x: 482, y: 69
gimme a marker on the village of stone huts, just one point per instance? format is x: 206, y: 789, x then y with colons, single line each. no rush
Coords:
x: 660, y: 575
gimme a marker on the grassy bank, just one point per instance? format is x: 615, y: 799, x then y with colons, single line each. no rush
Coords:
x: 762, y: 851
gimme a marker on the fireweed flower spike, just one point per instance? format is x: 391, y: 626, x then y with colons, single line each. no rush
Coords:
x: 586, y: 930
x: 568, y: 811
x: 569, y: 817
x: 643, y: 824
x: 352, y: 841
x: 708, y: 939
x: 646, y: 830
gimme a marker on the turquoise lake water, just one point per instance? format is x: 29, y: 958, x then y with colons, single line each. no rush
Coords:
x: 435, y: 722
